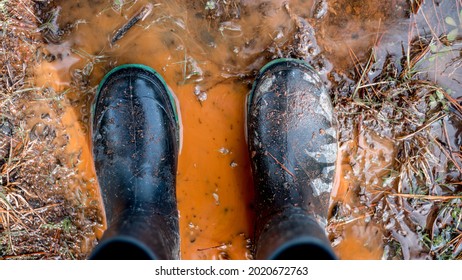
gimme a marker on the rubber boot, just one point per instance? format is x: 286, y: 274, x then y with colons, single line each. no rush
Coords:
x: 135, y: 149
x: 293, y: 148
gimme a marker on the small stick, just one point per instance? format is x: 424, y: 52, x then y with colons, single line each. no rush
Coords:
x: 140, y: 16
x: 213, y: 247
x: 280, y: 164
x: 425, y: 197
x: 401, y: 138
x: 447, y: 154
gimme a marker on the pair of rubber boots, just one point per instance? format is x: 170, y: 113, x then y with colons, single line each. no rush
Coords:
x: 292, y: 144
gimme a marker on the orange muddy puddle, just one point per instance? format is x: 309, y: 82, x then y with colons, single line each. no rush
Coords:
x: 361, y: 164
x: 209, y: 64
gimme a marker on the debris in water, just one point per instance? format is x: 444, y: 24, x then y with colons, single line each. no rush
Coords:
x: 230, y: 28
x: 320, y: 9
x: 191, y: 70
x: 223, y: 256
x: 140, y: 16
x: 224, y: 151
x: 217, y: 198
x: 210, y: 5
x: 50, y: 28
x: 201, y: 95
x: 302, y: 43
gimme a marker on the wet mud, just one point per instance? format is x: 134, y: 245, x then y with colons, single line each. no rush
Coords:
x: 397, y: 138
x: 209, y: 53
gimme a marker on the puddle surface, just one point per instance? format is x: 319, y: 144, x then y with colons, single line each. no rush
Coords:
x: 208, y: 54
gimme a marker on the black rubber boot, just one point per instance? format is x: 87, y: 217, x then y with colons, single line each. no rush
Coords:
x: 135, y: 149
x: 293, y: 148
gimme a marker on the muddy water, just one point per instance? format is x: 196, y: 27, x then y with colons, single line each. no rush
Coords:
x: 360, y: 167
x: 367, y: 159
x: 209, y: 60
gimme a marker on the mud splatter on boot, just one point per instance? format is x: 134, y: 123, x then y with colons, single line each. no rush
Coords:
x: 293, y: 149
x: 135, y: 147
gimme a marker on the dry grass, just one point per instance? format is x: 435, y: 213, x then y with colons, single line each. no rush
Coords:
x: 42, y: 215
x: 222, y: 10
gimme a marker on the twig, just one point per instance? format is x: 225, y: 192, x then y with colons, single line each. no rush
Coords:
x: 422, y: 196
x: 346, y: 222
x: 213, y: 247
x: 140, y: 16
x: 453, y: 101
x: 448, y: 155
x: 280, y: 164
x: 401, y: 138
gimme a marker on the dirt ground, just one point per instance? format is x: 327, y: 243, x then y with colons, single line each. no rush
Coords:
x: 392, y: 67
